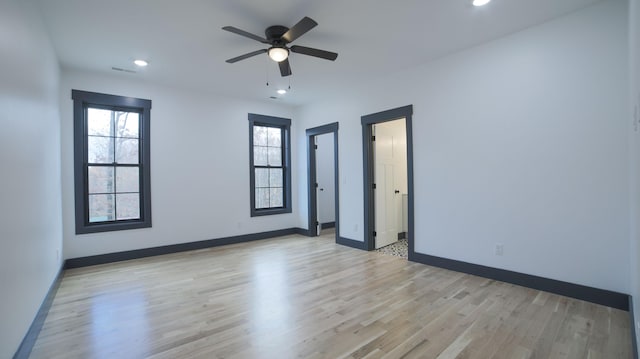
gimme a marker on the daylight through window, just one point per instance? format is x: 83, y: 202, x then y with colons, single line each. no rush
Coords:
x: 270, y: 158
x: 113, y: 165
x: 111, y: 162
x: 268, y: 167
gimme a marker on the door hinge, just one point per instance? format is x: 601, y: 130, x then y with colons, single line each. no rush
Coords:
x: 373, y: 138
x: 373, y: 185
x: 316, y: 185
x: 375, y: 233
x: 316, y: 146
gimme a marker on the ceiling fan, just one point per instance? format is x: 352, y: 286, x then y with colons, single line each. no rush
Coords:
x: 279, y: 37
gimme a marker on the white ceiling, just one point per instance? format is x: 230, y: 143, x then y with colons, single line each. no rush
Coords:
x: 186, y: 47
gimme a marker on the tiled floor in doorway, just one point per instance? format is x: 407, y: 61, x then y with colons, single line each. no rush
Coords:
x: 398, y: 249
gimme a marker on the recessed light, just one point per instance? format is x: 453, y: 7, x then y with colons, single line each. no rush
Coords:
x: 480, y: 2
x: 282, y: 92
x: 141, y: 63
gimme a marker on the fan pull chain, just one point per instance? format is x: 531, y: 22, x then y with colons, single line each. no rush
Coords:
x: 266, y: 68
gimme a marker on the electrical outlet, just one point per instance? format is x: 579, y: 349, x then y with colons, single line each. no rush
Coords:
x: 499, y: 249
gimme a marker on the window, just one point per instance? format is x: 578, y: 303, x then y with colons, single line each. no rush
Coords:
x: 269, y: 165
x: 111, y: 162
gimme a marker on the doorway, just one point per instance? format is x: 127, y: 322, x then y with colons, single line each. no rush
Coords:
x: 322, y: 179
x: 388, y: 178
x: 325, y: 178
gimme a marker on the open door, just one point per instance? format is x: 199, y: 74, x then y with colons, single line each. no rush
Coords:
x: 384, y: 192
x: 325, y: 178
x: 318, y: 189
x: 388, y: 178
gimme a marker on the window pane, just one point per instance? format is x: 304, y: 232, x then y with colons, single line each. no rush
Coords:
x: 100, y: 179
x: 276, y: 199
x: 127, y: 124
x: 262, y: 177
x: 259, y: 156
x: 275, y: 156
x: 269, y: 173
x: 275, y: 177
x: 98, y: 122
x: 274, y: 137
x: 112, y: 135
x: 100, y: 149
x: 259, y: 136
x: 128, y: 206
x: 262, y: 198
x: 101, y: 208
x: 127, y: 180
x: 127, y: 151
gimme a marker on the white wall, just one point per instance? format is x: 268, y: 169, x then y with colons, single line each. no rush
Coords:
x: 199, y: 166
x: 521, y: 141
x: 325, y: 174
x: 30, y: 214
x: 349, y: 158
x: 634, y: 106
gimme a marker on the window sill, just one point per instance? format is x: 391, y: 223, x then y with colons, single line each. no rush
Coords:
x: 108, y: 227
x: 268, y: 212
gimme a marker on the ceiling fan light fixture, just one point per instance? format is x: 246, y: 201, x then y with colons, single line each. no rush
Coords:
x: 278, y: 54
x: 480, y: 2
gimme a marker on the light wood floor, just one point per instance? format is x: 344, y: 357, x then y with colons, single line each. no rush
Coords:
x: 296, y: 297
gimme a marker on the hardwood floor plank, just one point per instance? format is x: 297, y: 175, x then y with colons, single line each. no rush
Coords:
x: 297, y: 297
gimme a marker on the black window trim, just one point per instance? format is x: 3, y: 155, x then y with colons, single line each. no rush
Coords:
x: 82, y: 100
x: 285, y: 124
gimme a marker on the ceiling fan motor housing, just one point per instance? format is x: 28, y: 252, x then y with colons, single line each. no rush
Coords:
x: 274, y: 34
